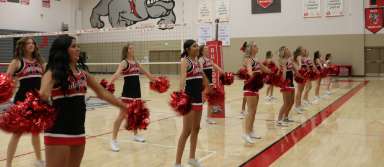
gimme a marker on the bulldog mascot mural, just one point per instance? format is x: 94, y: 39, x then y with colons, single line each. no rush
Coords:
x: 124, y: 13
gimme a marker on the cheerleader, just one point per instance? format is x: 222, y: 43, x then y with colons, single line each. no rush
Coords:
x: 66, y: 85
x: 208, y: 66
x: 317, y: 59
x: 308, y: 85
x: 288, y: 89
x: 270, y: 63
x: 192, y: 82
x: 255, y: 70
x: 28, y: 66
x: 299, y: 62
x: 327, y: 64
x: 130, y: 70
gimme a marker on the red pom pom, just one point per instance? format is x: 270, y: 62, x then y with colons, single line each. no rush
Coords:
x: 215, y: 96
x: 243, y: 74
x: 324, y: 72
x: 7, y: 85
x: 227, y: 78
x: 111, y: 88
x: 161, y: 84
x: 255, y: 83
x: 137, y: 115
x: 273, y: 77
x: 104, y: 83
x: 180, y: 103
x: 301, y: 79
x: 30, y: 116
x: 312, y: 75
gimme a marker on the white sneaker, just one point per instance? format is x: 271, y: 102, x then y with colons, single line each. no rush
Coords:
x: 281, y: 124
x: 316, y: 100
x: 267, y: 99
x: 211, y: 121
x: 287, y: 120
x: 273, y: 98
x: 328, y: 93
x: 178, y: 165
x: 39, y: 163
x: 248, y: 139
x: 194, y: 163
x: 254, y: 136
x: 115, y: 146
x: 306, y: 103
x: 242, y: 115
x: 139, y: 138
x: 298, y: 110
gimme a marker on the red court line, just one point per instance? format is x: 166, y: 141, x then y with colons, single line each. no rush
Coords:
x: 278, y: 148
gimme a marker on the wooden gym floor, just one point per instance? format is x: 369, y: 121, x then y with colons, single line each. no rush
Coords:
x: 351, y: 136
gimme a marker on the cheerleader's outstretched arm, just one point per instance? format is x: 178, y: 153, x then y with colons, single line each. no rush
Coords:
x: 117, y: 74
x: 217, y: 68
x: 103, y: 93
x: 12, y: 67
x: 147, y: 74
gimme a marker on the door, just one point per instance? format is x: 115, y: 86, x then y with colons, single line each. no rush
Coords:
x: 373, y: 61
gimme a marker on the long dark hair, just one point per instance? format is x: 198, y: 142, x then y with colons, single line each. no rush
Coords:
x: 201, y: 51
x: 19, y: 53
x: 58, y: 61
x: 298, y: 52
x: 246, y: 48
x: 187, y: 44
x: 124, y: 51
x: 268, y: 54
x: 316, y: 56
x: 328, y: 56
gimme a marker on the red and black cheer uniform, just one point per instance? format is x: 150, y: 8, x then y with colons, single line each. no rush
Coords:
x: 248, y: 85
x: 289, y: 76
x: 207, y: 68
x: 131, y: 88
x: 68, y: 128
x: 29, y: 75
x: 271, y: 66
x: 194, y: 83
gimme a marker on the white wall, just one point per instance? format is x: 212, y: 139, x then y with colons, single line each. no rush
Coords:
x: 290, y: 22
x: 34, y: 17
x: 184, y: 10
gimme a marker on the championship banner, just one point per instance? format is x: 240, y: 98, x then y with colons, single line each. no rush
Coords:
x: 205, y: 33
x: 14, y: 1
x: 46, y: 3
x: 24, y: 2
x: 222, y: 10
x: 374, y: 19
x: 224, y: 34
x: 312, y: 8
x: 266, y: 6
x: 205, y: 11
x: 334, y: 8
